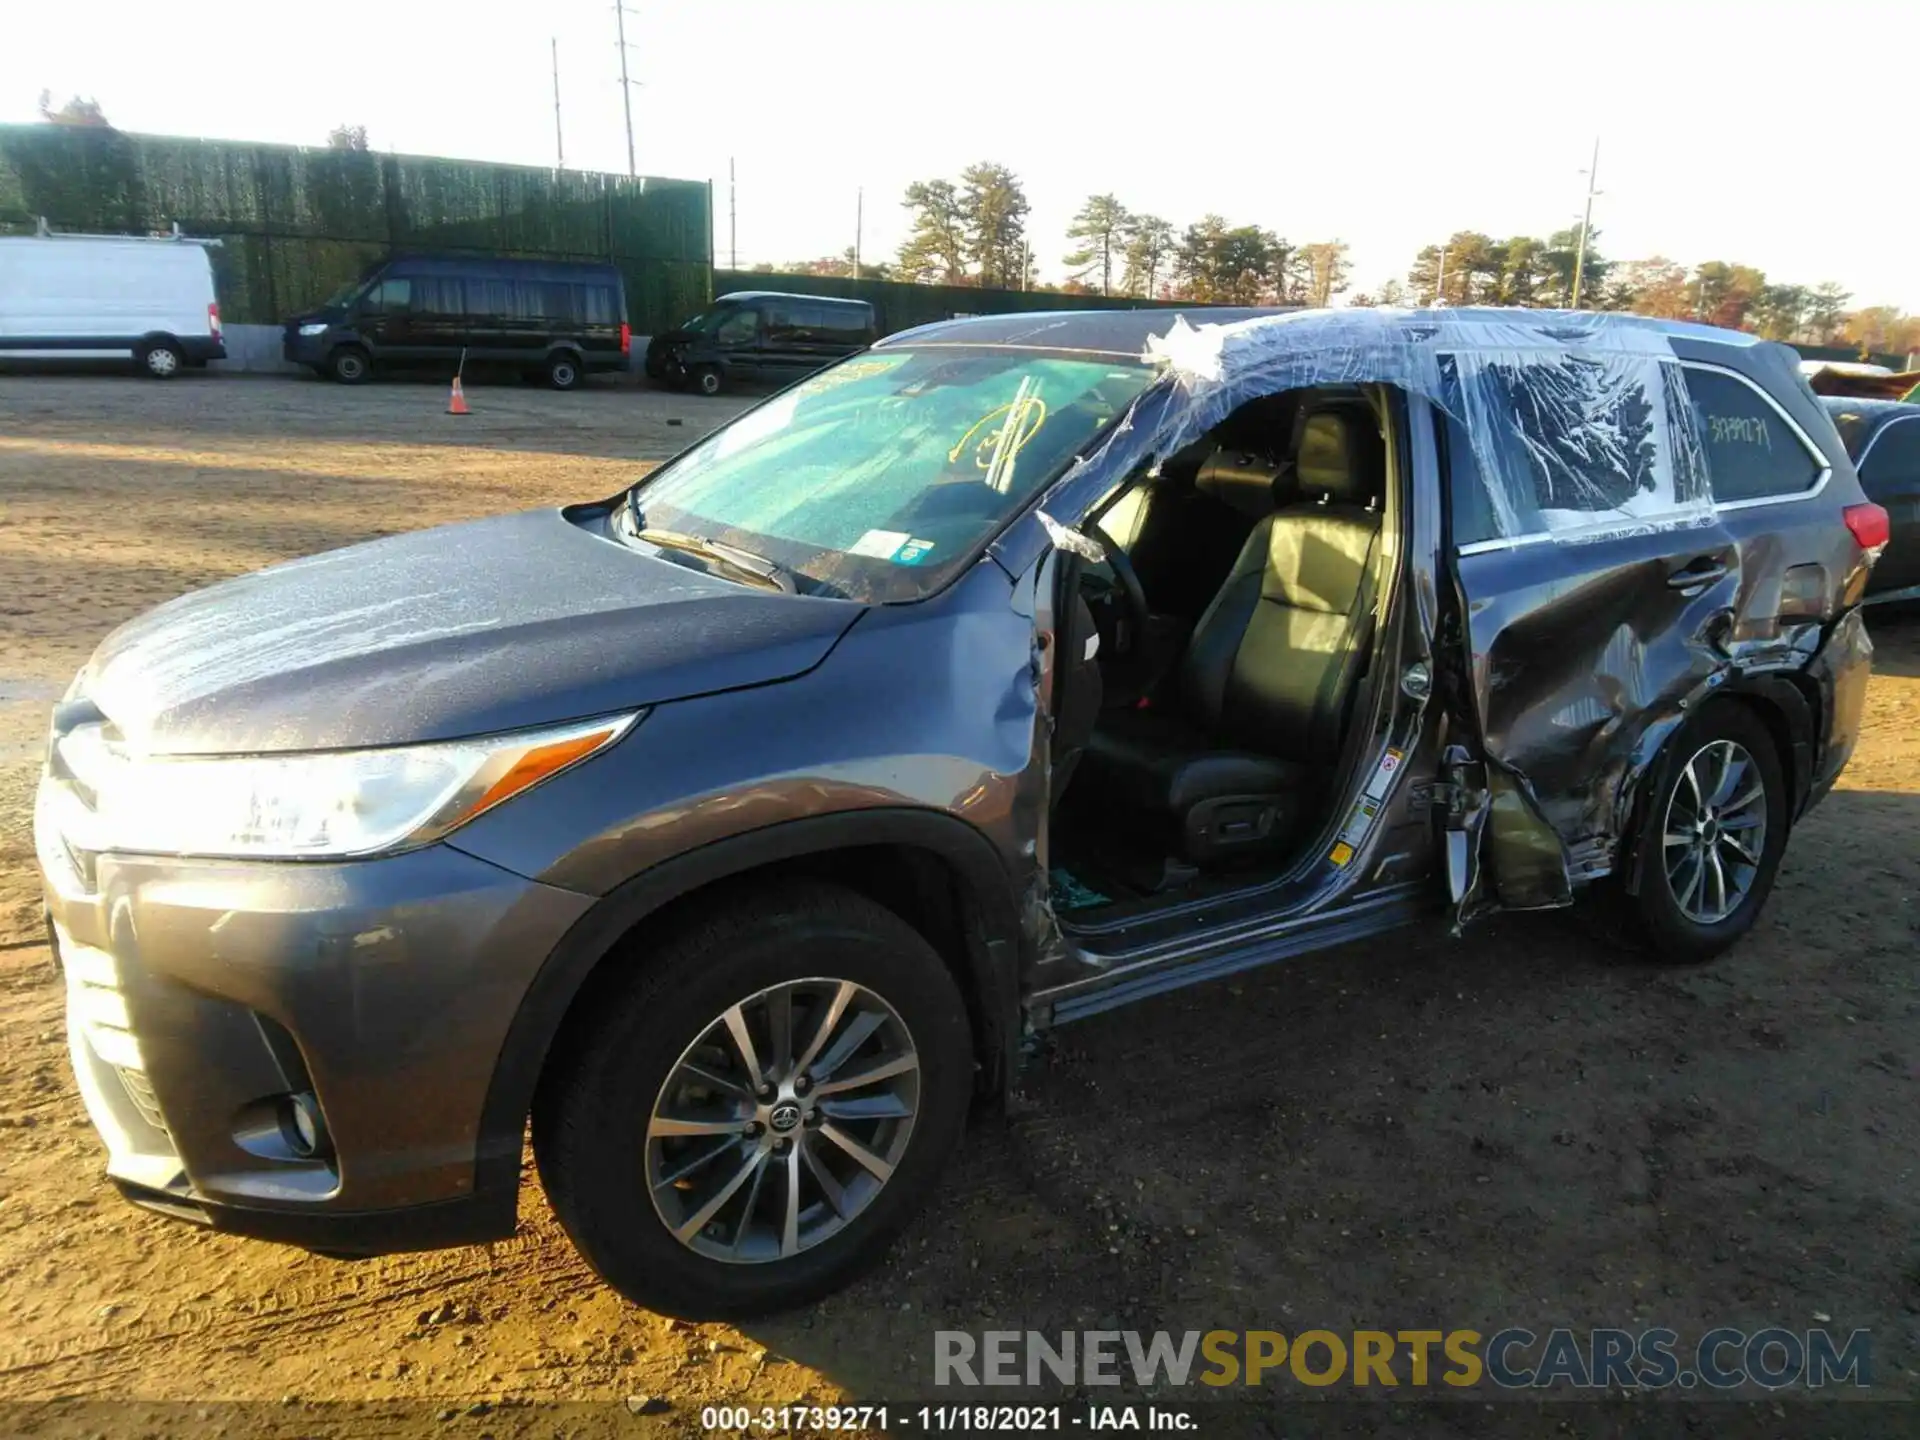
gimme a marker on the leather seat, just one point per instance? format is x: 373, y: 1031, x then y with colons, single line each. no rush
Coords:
x: 1235, y: 759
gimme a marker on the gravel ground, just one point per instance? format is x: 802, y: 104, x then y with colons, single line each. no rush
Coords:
x: 1523, y: 1127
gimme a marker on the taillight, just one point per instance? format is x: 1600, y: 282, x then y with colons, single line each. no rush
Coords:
x: 213, y: 317
x: 1869, y: 524
x: 626, y: 338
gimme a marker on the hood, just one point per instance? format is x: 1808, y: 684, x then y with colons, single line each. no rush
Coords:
x: 492, y: 625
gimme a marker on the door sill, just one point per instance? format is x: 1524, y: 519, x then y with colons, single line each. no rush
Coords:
x: 1155, y: 969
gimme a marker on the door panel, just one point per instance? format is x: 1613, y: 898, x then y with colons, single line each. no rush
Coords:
x: 1578, y: 659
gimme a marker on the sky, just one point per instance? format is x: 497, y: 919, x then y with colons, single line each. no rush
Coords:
x: 1384, y: 123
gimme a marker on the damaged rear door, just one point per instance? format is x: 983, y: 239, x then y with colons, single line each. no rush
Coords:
x: 1594, y: 592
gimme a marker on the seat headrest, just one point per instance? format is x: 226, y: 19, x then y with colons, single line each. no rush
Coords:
x: 1246, y: 483
x: 1340, y: 457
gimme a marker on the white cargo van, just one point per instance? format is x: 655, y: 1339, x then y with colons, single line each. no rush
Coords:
x: 99, y: 297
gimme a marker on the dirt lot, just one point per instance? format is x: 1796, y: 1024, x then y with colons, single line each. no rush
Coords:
x: 1521, y: 1128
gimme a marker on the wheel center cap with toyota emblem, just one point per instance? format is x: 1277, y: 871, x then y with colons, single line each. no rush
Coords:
x: 784, y: 1117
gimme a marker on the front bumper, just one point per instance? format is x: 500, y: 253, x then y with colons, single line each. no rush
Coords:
x: 298, y: 349
x: 201, y: 994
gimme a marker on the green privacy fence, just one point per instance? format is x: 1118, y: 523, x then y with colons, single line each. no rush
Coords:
x: 899, y: 306
x: 298, y: 223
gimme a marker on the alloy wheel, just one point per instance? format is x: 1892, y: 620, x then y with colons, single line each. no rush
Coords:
x: 783, y: 1121
x: 1716, y: 832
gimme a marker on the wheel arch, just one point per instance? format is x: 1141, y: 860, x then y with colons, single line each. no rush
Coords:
x: 940, y: 874
x: 1786, y: 704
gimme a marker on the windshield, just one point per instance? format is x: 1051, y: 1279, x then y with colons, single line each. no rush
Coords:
x: 877, y: 478
x: 705, y: 322
x: 345, y: 293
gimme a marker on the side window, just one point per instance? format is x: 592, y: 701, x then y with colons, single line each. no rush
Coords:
x: 841, y: 323
x: 489, y: 297
x: 438, y: 295
x: 1752, y: 452
x: 738, y: 328
x: 594, y: 304
x: 1894, y: 455
x: 388, y: 296
x: 1585, y: 439
x: 782, y: 320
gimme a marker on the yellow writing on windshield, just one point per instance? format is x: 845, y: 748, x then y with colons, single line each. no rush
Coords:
x: 1020, y: 420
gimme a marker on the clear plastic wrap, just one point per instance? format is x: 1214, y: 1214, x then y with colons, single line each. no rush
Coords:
x: 1580, y: 424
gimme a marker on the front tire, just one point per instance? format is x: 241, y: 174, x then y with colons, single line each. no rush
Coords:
x: 705, y: 379
x: 350, y: 365
x: 1711, y: 834
x: 745, y: 1123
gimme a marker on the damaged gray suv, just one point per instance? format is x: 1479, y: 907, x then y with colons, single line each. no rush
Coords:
x: 735, y: 829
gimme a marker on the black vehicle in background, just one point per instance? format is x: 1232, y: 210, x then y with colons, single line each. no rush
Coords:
x: 759, y: 335
x: 551, y: 319
x: 1883, y: 437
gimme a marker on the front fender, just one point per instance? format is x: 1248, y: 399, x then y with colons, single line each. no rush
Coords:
x: 595, y: 936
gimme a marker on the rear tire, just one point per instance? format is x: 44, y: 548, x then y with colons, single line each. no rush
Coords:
x: 349, y: 364
x: 161, y: 360
x: 563, y: 370
x: 806, y: 1213
x: 705, y: 380
x: 1707, y: 846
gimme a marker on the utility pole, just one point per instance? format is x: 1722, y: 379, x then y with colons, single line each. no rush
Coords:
x: 626, y: 85
x: 859, y: 225
x: 733, y: 234
x: 1586, y: 226
x: 559, y: 144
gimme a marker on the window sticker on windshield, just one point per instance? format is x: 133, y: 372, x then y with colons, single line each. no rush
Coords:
x: 913, y: 552
x: 880, y: 544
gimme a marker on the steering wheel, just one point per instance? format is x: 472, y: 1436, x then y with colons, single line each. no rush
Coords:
x: 1133, y: 597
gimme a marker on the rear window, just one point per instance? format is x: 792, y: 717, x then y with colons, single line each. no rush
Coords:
x: 1753, y: 451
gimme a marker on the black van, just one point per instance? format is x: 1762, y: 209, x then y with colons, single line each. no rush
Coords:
x: 759, y: 335
x: 548, y: 318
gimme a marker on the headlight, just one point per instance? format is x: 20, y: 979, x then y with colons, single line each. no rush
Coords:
x: 332, y: 803
x: 317, y: 327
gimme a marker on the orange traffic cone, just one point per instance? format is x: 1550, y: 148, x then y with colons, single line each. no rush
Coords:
x: 457, y: 401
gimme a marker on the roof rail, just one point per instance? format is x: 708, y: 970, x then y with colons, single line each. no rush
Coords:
x: 43, y: 231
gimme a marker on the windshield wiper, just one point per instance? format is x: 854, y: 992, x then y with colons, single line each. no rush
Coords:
x: 745, y: 562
